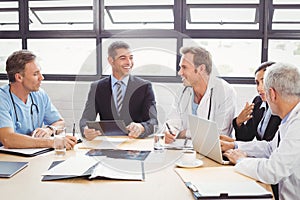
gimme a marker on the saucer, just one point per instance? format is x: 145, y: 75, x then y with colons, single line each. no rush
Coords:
x: 197, y: 163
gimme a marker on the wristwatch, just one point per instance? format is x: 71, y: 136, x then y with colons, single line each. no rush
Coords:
x: 53, y: 129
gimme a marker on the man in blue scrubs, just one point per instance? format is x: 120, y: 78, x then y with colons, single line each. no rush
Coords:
x: 27, y: 116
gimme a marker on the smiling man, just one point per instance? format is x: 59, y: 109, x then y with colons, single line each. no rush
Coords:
x: 211, y: 97
x: 121, y: 96
x: 27, y: 116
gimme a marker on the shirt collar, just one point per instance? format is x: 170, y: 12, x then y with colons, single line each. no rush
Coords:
x: 285, y: 118
x: 124, y: 80
x: 263, y: 105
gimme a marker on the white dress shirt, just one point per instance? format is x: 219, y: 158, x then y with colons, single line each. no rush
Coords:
x: 276, y: 164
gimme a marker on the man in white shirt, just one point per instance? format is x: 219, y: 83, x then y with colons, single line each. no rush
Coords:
x: 273, y: 162
x: 210, y: 97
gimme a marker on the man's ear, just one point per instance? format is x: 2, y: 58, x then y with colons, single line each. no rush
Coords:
x: 110, y: 60
x: 18, y: 77
x: 200, y: 68
x: 273, y: 94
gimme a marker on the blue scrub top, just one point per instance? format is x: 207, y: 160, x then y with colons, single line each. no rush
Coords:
x: 45, y: 114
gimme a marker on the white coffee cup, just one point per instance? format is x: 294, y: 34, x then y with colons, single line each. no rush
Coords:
x: 188, y: 157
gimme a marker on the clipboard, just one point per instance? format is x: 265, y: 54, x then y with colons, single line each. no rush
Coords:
x: 25, y: 152
x: 109, y: 127
x: 212, y: 183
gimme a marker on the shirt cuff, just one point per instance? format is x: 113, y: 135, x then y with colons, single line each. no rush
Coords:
x: 239, y: 160
x: 236, y: 146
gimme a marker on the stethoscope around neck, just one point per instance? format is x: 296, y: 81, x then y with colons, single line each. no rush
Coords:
x: 18, y: 123
x: 181, y: 97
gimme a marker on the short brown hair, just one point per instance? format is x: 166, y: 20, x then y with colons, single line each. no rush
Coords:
x: 16, y: 62
x: 201, y: 56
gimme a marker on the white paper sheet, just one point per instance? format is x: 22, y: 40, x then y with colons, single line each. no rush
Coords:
x: 119, y: 169
x: 75, y: 166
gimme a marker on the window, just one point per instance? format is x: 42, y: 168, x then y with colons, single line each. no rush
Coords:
x: 214, y: 15
x: 285, y: 51
x: 65, y: 56
x: 149, y: 14
x: 151, y: 57
x: 61, y: 15
x: 286, y: 19
x: 70, y: 37
x: 231, y: 57
x: 10, y: 45
x: 9, y: 16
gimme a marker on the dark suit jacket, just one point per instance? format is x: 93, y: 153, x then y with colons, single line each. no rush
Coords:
x: 247, y: 132
x: 138, y: 104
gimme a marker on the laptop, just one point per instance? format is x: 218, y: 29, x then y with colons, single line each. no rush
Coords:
x: 205, y: 138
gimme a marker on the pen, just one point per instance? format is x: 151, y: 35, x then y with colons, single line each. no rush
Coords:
x: 185, y: 141
x: 73, y: 129
x: 169, y: 129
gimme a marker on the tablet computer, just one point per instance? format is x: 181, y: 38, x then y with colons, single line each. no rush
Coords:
x: 109, y: 127
x: 8, y: 169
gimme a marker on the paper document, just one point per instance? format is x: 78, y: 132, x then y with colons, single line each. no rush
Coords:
x: 111, y: 142
x: 103, y: 142
x: 180, y: 144
x: 119, y: 169
x: 75, y: 166
x: 117, y: 153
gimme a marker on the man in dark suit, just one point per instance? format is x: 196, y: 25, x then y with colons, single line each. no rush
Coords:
x: 260, y: 122
x: 121, y: 96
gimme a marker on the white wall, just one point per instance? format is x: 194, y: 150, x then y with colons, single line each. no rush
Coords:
x: 70, y: 97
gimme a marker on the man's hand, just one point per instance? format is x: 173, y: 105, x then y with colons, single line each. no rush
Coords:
x: 226, y: 142
x: 235, y: 155
x: 42, y: 133
x: 135, y: 129
x: 90, y: 134
x: 169, y: 138
x: 70, y: 142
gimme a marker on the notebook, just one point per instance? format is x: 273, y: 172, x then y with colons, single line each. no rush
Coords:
x: 8, y: 169
x: 25, y: 152
x: 205, y: 138
x: 95, y: 168
x: 60, y: 177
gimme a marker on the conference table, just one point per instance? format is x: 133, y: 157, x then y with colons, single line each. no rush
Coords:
x: 161, y: 180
